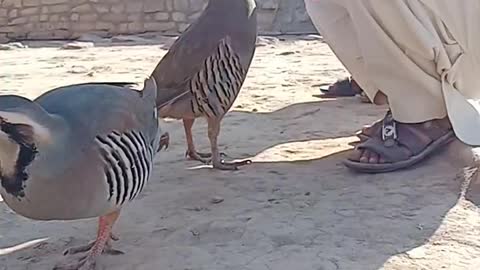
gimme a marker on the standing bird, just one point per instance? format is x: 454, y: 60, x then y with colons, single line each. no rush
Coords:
x: 77, y: 152
x: 202, y: 73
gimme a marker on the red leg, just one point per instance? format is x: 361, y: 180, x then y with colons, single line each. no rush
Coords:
x: 99, y: 246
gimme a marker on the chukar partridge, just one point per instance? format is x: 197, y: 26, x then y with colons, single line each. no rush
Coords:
x: 202, y: 73
x: 76, y: 152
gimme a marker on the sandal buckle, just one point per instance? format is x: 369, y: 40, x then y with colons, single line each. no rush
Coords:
x: 389, y: 133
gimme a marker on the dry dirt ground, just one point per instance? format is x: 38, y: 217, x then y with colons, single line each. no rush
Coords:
x: 295, y: 208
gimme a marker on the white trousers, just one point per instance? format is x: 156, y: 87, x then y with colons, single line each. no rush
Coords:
x: 424, y: 55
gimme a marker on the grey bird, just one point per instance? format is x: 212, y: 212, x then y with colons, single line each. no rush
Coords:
x: 202, y: 73
x: 77, y: 152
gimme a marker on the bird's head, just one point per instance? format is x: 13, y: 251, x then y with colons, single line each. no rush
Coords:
x: 20, y: 136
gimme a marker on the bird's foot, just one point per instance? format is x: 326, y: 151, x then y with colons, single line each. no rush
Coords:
x: 88, y: 261
x: 164, y: 141
x: 230, y: 166
x: 114, y: 237
x: 202, y: 157
x: 205, y: 158
x: 79, y: 249
x: 84, y: 248
x: 82, y: 264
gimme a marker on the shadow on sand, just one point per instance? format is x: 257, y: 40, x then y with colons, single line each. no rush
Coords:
x: 283, y: 209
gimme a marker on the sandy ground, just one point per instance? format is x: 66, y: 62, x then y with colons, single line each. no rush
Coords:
x: 295, y: 208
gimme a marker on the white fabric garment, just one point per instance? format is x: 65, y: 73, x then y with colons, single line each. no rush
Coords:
x: 424, y: 55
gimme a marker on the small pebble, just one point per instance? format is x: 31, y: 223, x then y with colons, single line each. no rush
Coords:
x: 128, y: 38
x: 12, y: 46
x: 286, y: 53
x: 78, y: 70
x: 90, y: 37
x: 77, y: 45
x: 216, y: 200
x: 311, y: 37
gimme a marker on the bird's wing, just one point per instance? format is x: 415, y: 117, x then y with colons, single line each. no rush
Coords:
x: 98, y: 109
x: 185, y: 58
x: 216, y: 82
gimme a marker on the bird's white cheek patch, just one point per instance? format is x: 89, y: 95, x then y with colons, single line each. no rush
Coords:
x: 8, y: 155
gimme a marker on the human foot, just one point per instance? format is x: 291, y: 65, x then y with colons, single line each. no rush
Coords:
x: 391, y: 145
x: 369, y: 130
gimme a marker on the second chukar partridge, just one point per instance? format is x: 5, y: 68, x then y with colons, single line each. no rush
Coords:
x: 204, y: 70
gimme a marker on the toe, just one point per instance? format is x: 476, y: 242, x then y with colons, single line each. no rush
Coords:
x: 196, y: 156
x: 114, y: 237
x: 89, y: 264
x: 225, y: 166
x: 355, y: 155
x: 366, y: 130
x: 373, y: 158
x: 114, y: 252
x: 204, y: 155
x: 365, y: 157
x: 79, y: 249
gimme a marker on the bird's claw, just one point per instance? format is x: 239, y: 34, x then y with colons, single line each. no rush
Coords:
x: 87, y: 247
x: 113, y: 252
x: 79, y: 249
x: 84, y: 263
x: 230, y: 166
x: 114, y: 237
x: 209, y: 155
x: 205, y: 158
x: 88, y: 262
x: 164, y: 141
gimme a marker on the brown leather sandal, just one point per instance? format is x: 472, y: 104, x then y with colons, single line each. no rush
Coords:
x: 346, y: 87
x: 401, y: 145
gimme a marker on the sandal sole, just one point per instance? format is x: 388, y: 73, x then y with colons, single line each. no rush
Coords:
x: 390, y: 167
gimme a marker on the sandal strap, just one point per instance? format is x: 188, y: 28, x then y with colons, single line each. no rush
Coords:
x: 413, y: 138
x: 389, y: 130
x: 396, y: 141
x: 390, y: 154
x: 377, y: 126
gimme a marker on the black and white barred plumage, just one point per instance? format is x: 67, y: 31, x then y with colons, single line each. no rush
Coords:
x: 128, y: 162
x: 216, y: 86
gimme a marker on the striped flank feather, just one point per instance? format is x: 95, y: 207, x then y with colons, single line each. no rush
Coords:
x: 216, y: 86
x: 128, y: 160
